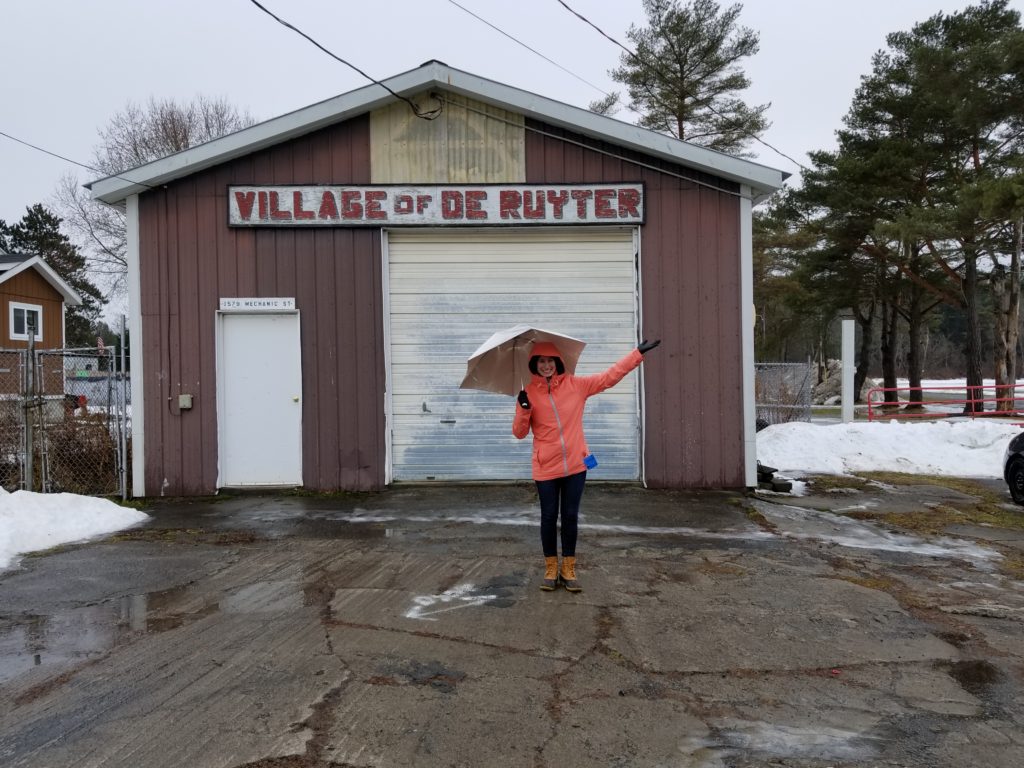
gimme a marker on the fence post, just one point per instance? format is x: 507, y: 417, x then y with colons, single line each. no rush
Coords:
x: 848, y: 364
x: 28, y: 480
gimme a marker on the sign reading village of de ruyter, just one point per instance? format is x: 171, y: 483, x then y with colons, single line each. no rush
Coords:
x: 445, y: 205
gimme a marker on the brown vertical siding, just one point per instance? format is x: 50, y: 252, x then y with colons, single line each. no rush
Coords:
x: 189, y: 258
x: 690, y: 299
x: 29, y: 287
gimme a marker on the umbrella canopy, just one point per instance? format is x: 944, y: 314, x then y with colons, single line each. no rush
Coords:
x: 501, y: 364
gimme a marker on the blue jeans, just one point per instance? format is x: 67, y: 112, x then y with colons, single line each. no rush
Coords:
x: 561, y: 494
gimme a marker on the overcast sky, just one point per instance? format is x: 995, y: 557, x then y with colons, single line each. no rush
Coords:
x: 68, y: 65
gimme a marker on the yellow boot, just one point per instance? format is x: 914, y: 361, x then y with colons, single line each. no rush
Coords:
x: 568, y: 575
x: 550, y: 574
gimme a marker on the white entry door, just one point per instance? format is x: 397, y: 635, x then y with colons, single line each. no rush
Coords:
x: 258, y: 400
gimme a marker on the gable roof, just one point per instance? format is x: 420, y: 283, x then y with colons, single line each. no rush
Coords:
x: 434, y: 74
x: 12, y: 264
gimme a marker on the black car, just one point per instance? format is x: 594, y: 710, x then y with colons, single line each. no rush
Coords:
x: 1013, y: 468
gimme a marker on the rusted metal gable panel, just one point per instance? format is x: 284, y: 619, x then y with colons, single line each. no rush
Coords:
x: 470, y: 142
x: 189, y: 258
x: 690, y: 298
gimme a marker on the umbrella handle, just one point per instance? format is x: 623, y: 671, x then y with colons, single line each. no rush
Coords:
x: 515, y: 362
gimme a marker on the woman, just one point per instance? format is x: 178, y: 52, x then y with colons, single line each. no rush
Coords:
x: 552, y: 406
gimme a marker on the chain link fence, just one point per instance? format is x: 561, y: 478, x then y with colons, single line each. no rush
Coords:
x: 64, y: 421
x: 12, y: 417
x: 783, y: 392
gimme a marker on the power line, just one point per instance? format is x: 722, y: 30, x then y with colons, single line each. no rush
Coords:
x: 665, y: 79
x: 428, y: 115
x: 74, y: 162
x: 585, y: 20
x: 527, y: 47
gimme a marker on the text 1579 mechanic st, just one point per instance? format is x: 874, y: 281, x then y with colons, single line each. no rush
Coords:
x: 490, y: 205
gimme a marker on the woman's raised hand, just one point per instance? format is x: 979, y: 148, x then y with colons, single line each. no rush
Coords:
x: 646, y: 346
x: 524, y: 401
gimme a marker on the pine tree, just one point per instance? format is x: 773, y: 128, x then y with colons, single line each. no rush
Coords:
x: 685, y: 76
x: 924, y: 179
x: 959, y: 78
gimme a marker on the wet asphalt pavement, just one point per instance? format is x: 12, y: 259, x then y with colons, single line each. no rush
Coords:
x: 405, y: 628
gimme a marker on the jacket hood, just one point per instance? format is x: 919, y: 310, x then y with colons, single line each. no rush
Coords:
x: 545, y: 349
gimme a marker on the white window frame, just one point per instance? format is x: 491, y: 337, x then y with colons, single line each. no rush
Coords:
x: 37, y: 308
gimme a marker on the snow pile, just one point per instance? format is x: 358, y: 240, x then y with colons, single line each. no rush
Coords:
x: 34, y: 521
x: 952, y: 448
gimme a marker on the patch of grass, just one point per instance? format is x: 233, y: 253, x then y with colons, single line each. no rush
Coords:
x: 933, y: 520
x: 961, y: 484
x: 1013, y: 566
x: 308, y: 493
x: 860, y: 514
x: 990, y: 509
x: 756, y: 517
x: 154, y: 534
x: 54, y: 550
x: 137, y: 504
x: 727, y: 569
x: 831, y: 482
x: 186, y: 536
x: 936, y: 520
x: 895, y: 589
x: 882, y: 584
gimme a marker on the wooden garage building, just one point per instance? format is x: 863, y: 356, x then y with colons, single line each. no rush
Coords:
x: 304, y: 293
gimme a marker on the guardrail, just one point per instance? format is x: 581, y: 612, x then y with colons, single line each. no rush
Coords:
x: 986, y: 401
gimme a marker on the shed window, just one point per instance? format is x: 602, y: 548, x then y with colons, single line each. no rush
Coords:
x: 23, y: 317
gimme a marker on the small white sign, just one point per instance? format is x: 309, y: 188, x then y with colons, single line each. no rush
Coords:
x: 257, y: 304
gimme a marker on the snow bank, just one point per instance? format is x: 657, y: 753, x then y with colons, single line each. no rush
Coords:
x: 34, y: 521
x: 952, y: 448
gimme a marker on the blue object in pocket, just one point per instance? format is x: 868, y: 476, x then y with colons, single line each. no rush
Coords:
x: 589, y: 461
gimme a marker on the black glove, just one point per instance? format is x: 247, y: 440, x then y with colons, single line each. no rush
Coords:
x: 524, y: 401
x: 646, y: 346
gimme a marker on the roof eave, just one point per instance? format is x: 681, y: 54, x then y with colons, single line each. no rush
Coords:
x: 762, y: 179
x: 69, y: 294
x: 114, y: 189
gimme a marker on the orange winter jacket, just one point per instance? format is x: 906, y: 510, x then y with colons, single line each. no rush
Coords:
x: 556, y: 417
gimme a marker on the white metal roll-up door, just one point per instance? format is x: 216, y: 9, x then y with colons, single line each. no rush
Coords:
x: 449, y: 291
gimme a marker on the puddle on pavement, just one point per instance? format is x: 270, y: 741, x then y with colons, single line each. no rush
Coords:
x: 264, y: 597
x: 341, y: 529
x: 361, y: 523
x: 432, y: 674
x: 800, y: 523
x: 975, y: 676
x: 69, y: 637
x: 528, y: 516
x: 271, y: 523
x: 732, y: 739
